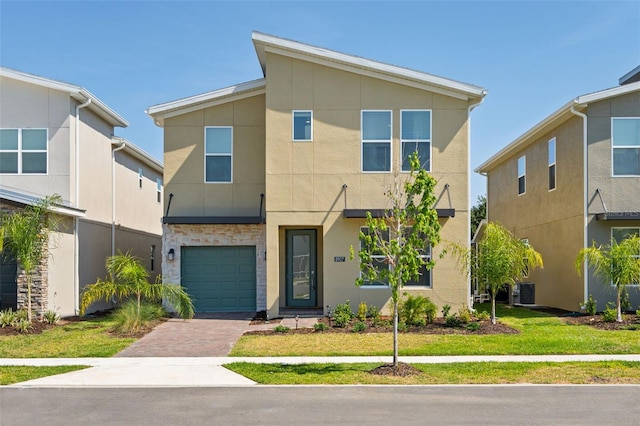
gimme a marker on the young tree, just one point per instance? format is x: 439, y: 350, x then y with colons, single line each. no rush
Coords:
x: 500, y: 260
x: 26, y: 235
x: 616, y: 264
x: 478, y: 212
x: 127, y: 278
x: 407, y: 231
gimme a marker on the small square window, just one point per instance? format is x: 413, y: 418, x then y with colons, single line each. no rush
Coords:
x: 522, y: 173
x: 302, y: 125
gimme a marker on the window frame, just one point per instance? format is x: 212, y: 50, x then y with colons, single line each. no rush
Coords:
x: 293, y: 125
x: 230, y: 155
x: 364, y: 141
x: 552, y: 164
x: 140, y: 175
x: 20, y: 151
x: 159, y: 190
x: 613, y: 148
x: 637, y: 228
x: 429, y: 141
x: 522, y: 175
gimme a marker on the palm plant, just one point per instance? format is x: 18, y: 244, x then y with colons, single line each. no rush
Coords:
x: 127, y: 277
x: 616, y: 264
x: 26, y: 235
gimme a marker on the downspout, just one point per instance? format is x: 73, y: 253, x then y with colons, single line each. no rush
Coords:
x: 585, y: 188
x: 76, y: 221
x: 113, y: 193
x: 470, y: 108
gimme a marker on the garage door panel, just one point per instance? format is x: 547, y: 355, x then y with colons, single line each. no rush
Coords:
x: 220, y: 279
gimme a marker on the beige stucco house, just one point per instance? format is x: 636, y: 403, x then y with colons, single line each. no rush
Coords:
x: 57, y: 138
x: 267, y: 183
x: 571, y: 180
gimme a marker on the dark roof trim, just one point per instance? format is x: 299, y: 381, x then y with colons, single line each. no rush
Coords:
x: 362, y: 213
x: 618, y: 216
x: 212, y: 220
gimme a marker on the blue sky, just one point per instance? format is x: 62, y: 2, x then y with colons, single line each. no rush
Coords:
x: 531, y: 56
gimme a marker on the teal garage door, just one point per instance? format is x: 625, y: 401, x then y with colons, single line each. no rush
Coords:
x: 220, y: 279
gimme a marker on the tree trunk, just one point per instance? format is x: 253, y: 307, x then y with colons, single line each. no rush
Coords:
x: 619, y: 317
x: 29, y: 297
x: 395, y: 333
x: 493, y: 309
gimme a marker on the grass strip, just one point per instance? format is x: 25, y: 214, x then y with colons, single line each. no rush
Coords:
x: 609, y: 372
x: 16, y: 374
x: 88, y: 338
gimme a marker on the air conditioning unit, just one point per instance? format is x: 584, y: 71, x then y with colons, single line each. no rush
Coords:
x: 527, y: 293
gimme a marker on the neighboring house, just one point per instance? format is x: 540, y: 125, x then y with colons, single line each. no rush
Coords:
x: 267, y: 183
x: 572, y: 180
x: 57, y: 138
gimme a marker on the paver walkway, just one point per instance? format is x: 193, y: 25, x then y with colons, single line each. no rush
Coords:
x: 206, y: 335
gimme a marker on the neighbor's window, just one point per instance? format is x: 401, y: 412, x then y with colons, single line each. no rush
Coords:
x: 140, y: 175
x: 159, y: 189
x: 552, y: 164
x: 23, y: 151
x: 376, y: 141
x: 619, y: 234
x: 152, y: 257
x: 522, y: 172
x: 218, y: 154
x: 625, y: 141
x: 416, y: 136
x: 302, y: 125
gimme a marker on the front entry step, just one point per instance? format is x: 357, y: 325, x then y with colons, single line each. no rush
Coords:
x: 301, y: 312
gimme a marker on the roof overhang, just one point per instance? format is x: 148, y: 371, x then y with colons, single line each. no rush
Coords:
x: 556, y: 118
x: 23, y: 199
x: 139, y: 154
x: 213, y: 220
x: 265, y: 43
x: 618, y: 216
x: 78, y: 93
x: 631, y: 77
x: 249, y: 89
x: 362, y: 213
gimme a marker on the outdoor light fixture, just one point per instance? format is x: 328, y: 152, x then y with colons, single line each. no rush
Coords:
x: 171, y: 255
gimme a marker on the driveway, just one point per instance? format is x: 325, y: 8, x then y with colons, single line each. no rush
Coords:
x: 206, y: 335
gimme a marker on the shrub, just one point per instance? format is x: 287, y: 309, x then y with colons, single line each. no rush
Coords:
x: 482, y: 316
x: 452, y: 321
x: 415, y: 310
x: 473, y: 326
x: 445, y: 311
x: 402, y: 326
x: 127, y: 319
x: 362, y: 311
x: 320, y: 326
x: 464, y: 315
x: 281, y: 328
x: 590, y: 305
x: 610, y: 313
x: 625, y: 304
x: 373, y: 312
x: 342, y: 315
x: 22, y: 314
x: 23, y: 325
x: 359, y: 327
x: 7, y: 318
x: 51, y: 317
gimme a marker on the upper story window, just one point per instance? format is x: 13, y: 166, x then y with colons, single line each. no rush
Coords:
x: 218, y: 154
x: 376, y: 141
x: 140, y: 175
x: 552, y: 164
x: 159, y: 189
x: 625, y: 141
x: 416, y: 136
x: 302, y: 126
x: 522, y: 175
x: 23, y: 151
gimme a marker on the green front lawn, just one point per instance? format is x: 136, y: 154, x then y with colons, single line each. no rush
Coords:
x: 468, y: 373
x: 16, y: 374
x: 79, y: 339
x: 540, y: 334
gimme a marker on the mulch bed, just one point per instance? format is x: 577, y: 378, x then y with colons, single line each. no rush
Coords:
x: 36, y: 328
x: 401, y: 370
x: 629, y: 320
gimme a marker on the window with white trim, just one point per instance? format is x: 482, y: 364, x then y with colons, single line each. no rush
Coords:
x: 159, y: 189
x: 619, y: 234
x: 376, y: 141
x: 415, y: 136
x: 218, y: 154
x: 379, y: 259
x: 140, y: 176
x: 302, y: 126
x: 552, y: 164
x: 522, y: 175
x: 625, y: 146
x: 23, y: 151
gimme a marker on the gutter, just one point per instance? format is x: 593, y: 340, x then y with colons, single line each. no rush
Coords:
x: 76, y: 222
x: 113, y: 192
x: 585, y: 189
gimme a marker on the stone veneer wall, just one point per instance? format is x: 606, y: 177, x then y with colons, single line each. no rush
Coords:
x: 39, y: 280
x: 181, y: 235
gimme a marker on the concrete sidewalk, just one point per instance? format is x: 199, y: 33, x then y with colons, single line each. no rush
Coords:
x: 210, y: 371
